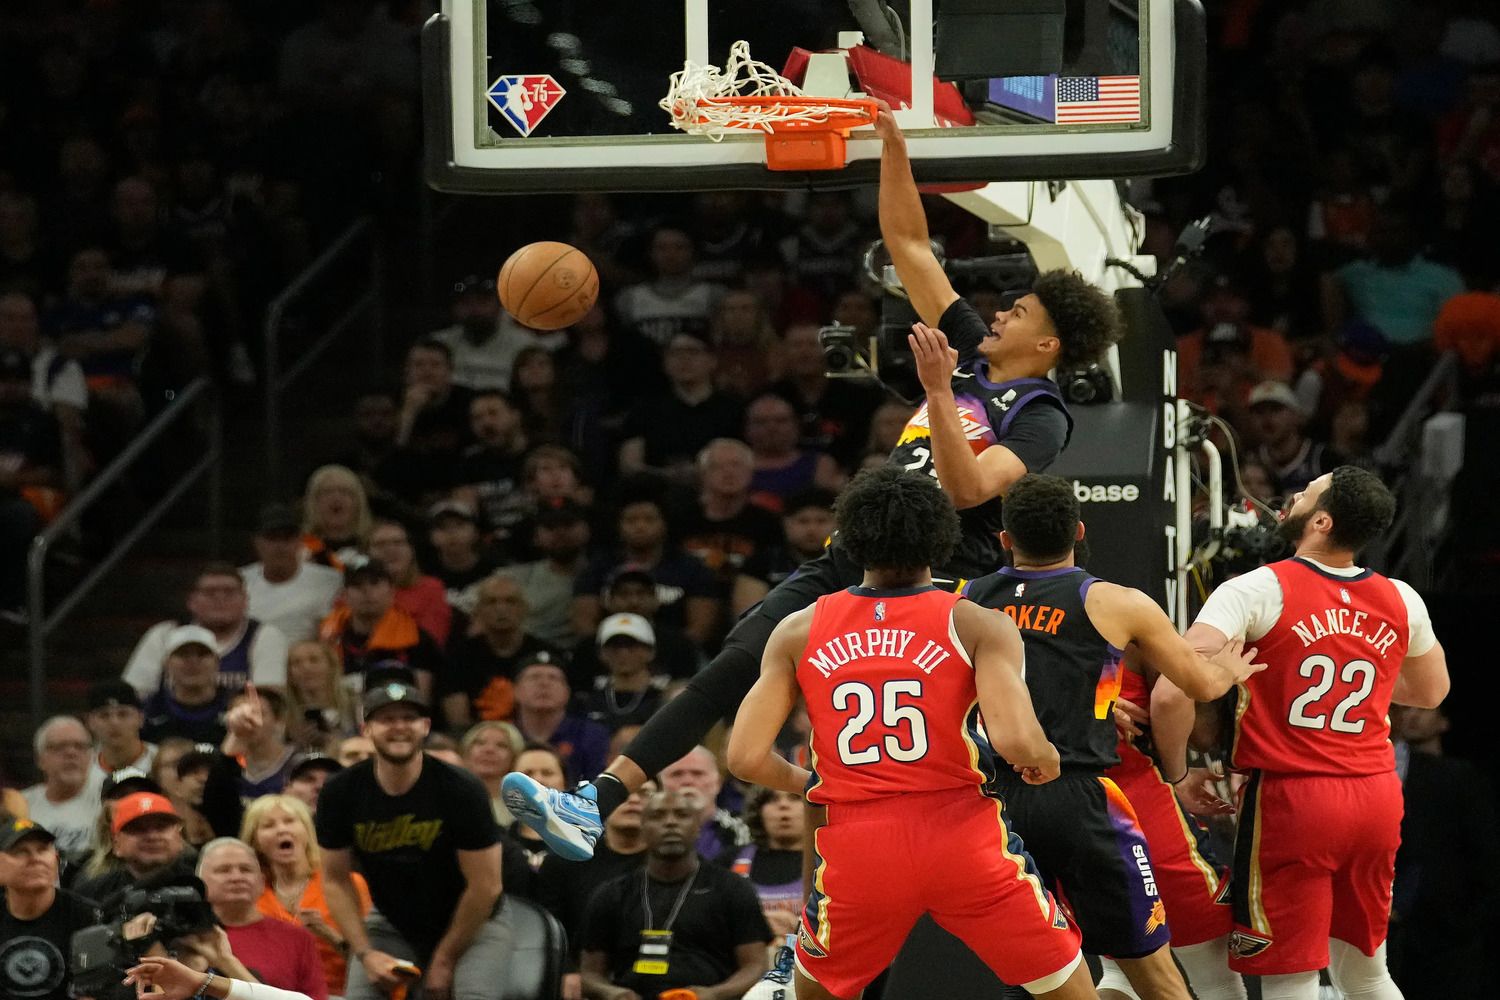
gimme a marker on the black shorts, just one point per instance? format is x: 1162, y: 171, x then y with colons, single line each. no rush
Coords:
x: 1083, y: 835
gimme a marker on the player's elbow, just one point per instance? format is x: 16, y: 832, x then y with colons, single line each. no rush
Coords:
x: 743, y: 760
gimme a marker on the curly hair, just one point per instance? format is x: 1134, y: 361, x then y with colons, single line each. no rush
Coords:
x: 1085, y: 318
x: 889, y: 518
x: 1041, y: 514
x: 1360, y: 505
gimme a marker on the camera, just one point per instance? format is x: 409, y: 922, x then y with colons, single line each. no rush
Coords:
x: 1090, y: 384
x: 100, y: 955
x: 842, y: 357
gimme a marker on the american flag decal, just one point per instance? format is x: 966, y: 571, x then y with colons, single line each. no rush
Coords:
x: 1092, y: 100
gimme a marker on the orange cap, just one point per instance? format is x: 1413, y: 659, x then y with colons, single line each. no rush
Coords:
x: 133, y: 807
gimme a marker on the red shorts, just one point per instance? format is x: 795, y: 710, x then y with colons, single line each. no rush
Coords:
x: 884, y: 863
x: 1194, y: 887
x: 1314, y: 857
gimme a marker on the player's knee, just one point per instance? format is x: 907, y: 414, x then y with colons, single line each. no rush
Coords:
x: 1359, y: 976
x: 1208, y: 973
x: 1297, y: 986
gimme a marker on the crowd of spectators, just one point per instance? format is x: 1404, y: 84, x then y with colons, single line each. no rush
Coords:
x: 544, y: 534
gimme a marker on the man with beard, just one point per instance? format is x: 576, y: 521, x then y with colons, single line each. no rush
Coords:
x: 1320, y: 818
x: 677, y: 924
x: 425, y: 839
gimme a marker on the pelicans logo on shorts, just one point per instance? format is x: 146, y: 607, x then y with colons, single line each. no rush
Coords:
x: 809, y: 943
x: 1244, y: 944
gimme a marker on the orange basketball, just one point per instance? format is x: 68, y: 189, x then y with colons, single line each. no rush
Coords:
x: 547, y: 285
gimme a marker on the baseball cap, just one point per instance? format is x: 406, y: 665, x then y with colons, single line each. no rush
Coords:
x: 313, y: 761
x: 127, y: 781
x: 139, y: 806
x: 452, y: 508
x: 278, y: 520
x: 14, y: 831
x: 202, y: 755
x: 105, y: 694
x: 1278, y: 393
x: 370, y: 571
x: 394, y: 693
x: 630, y: 573
x: 190, y: 635
x: 627, y: 626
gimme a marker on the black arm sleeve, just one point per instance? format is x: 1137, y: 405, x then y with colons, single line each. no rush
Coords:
x: 1037, y: 435
x: 964, y: 328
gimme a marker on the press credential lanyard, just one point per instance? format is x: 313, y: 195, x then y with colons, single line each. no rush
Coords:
x: 656, y: 945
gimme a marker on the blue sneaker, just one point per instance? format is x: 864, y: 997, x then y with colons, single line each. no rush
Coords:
x: 778, y: 984
x: 567, y: 821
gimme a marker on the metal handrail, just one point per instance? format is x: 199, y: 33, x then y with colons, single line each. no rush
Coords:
x: 1408, y: 548
x: 43, y: 624
x: 277, y: 382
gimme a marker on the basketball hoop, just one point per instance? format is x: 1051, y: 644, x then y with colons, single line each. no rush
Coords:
x: 802, y: 132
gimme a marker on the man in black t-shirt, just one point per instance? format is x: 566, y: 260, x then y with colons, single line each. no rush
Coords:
x: 38, y: 921
x: 991, y: 415
x: 424, y: 837
x: 478, y: 681
x: 679, y: 923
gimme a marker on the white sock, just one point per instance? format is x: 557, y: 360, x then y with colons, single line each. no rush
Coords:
x: 1297, y: 986
x: 1208, y: 971
x: 1114, y: 979
x: 1360, y: 976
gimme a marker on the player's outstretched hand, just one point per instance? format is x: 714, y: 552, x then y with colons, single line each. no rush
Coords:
x: 885, y: 124
x: 1238, y: 661
x: 1129, y: 718
x: 1045, y: 770
x: 1199, y: 794
x: 935, y: 359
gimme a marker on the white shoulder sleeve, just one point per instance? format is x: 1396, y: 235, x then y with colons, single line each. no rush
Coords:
x: 1245, y: 607
x: 241, y: 990
x: 1419, y: 623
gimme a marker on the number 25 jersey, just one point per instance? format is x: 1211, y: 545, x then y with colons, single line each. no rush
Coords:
x: 1321, y: 704
x: 890, y: 695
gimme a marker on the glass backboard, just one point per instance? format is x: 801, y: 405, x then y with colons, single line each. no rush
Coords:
x: 563, y: 95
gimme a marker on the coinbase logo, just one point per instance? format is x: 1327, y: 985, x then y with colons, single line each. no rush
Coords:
x: 1105, y: 494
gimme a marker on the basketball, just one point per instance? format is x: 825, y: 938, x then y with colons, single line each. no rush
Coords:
x: 547, y: 285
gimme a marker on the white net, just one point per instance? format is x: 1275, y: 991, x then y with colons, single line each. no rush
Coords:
x: 693, y: 93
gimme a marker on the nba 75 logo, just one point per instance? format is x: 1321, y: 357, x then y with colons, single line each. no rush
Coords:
x: 525, y: 99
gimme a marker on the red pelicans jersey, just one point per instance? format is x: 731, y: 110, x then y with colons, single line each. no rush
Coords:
x: 890, y: 694
x: 1321, y: 705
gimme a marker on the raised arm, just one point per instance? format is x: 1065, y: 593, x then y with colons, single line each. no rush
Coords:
x: 994, y: 645
x: 1124, y: 615
x: 903, y: 227
x: 752, y: 743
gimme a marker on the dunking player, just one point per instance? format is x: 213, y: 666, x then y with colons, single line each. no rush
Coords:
x: 895, y: 672
x: 1193, y: 884
x: 1081, y: 829
x: 1320, y: 817
x: 991, y: 415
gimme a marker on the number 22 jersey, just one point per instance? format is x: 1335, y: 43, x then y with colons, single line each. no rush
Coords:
x: 890, y: 695
x: 1333, y: 641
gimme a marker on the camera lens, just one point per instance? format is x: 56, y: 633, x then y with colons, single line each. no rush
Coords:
x: 838, y: 358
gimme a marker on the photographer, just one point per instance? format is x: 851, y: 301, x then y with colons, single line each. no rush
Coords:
x: 146, y: 838
x: 39, y: 919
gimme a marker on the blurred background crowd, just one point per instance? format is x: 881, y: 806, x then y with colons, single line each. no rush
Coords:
x: 550, y: 531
